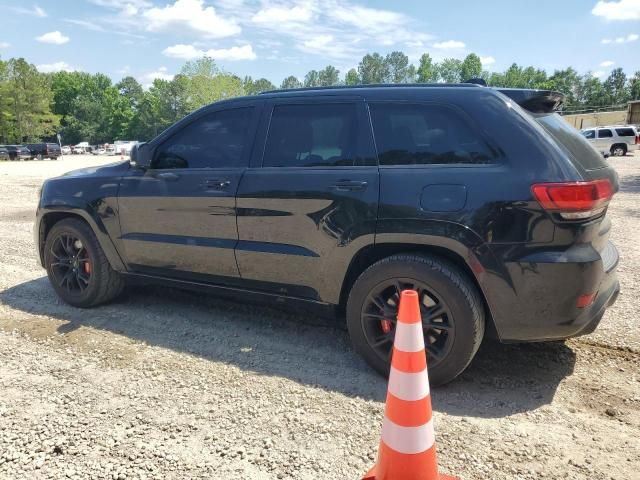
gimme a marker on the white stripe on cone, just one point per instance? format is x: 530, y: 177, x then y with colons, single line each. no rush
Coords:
x: 409, y: 337
x: 408, y: 386
x: 408, y: 440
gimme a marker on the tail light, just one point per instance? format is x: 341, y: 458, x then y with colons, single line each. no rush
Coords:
x: 574, y: 200
x: 637, y: 139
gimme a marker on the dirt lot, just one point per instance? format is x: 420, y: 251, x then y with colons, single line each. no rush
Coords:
x: 168, y: 384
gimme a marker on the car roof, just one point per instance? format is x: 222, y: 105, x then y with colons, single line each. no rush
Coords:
x: 361, y: 89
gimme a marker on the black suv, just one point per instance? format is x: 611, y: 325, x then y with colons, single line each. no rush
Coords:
x: 44, y: 150
x: 484, y: 201
x: 17, y: 152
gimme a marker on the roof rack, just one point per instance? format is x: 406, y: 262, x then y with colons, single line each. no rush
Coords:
x: 372, y: 85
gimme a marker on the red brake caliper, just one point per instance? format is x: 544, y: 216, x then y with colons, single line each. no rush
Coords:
x: 386, y: 325
x: 87, y: 267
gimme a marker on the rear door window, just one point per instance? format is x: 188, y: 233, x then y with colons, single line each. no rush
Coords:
x: 312, y: 135
x: 423, y: 134
x: 580, y: 151
x: 605, y: 133
x: 626, y: 132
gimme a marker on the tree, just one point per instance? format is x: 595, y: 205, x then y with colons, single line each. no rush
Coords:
x: 373, y: 69
x: 615, y: 87
x: 25, y: 101
x: 130, y: 89
x: 352, y: 78
x: 399, y: 68
x: 312, y: 79
x: 328, y: 76
x: 471, y: 67
x: 450, y: 70
x: 253, y: 87
x: 565, y: 81
x: 426, y: 71
x: 634, y: 87
x: 291, y: 82
x: 206, y: 83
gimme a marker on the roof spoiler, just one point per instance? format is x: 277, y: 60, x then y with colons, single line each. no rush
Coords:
x: 535, y: 101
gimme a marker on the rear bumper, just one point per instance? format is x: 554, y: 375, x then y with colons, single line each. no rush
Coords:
x: 545, y: 288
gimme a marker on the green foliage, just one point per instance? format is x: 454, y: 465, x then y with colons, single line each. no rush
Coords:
x: 471, y: 67
x: 427, y: 72
x: 291, y: 82
x: 373, y: 69
x: 85, y: 107
x: 25, y: 103
x: 352, y: 78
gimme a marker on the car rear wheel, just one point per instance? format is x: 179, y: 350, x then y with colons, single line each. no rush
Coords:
x: 619, y: 150
x: 451, y: 307
x: 77, y: 266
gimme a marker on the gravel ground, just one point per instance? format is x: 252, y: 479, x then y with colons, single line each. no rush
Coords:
x: 169, y: 384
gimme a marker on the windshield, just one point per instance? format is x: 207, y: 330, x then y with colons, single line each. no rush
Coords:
x: 580, y: 151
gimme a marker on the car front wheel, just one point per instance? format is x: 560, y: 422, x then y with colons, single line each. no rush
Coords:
x: 77, y: 266
x: 451, y: 308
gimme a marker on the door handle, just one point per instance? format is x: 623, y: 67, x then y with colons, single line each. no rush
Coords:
x: 216, y: 183
x: 168, y: 176
x: 349, y: 185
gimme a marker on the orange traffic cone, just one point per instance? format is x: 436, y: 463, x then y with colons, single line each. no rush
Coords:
x: 407, y: 447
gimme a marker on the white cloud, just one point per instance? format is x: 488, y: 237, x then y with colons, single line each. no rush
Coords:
x: 632, y: 37
x: 607, y: 63
x: 4, y: 45
x: 35, y: 11
x: 319, y: 41
x: 598, y: 74
x: 617, y: 10
x: 295, y: 14
x: 189, y: 52
x: 449, y: 45
x: 192, y: 16
x: 161, y: 73
x: 488, y: 60
x: 55, y: 38
x: 55, y: 67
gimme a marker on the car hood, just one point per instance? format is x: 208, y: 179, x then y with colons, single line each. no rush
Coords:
x: 102, y: 170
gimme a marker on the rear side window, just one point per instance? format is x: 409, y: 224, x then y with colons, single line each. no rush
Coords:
x: 589, y: 134
x: 580, y: 151
x: 317, y: 135
x: 605, y: 133
x: 419, y: 134
x: 215, y: 140
x: 626, y: 132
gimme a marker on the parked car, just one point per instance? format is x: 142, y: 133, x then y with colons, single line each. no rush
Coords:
x: 4, y: 154
x: 66, y: 150
x: 18, y: 152
x: 617, y: 139
x: 486, y: 202
x: 78, y: 150
x: 44, y: 150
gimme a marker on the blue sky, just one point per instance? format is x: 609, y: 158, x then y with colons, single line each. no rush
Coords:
x: 277, y: 38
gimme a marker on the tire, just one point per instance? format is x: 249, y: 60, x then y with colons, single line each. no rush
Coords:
x: 103, y: 285
x: 619, y: 150
x: 443, y: 280
x: 39, y: 157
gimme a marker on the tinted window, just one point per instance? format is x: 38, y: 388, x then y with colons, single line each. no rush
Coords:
x: 215, y: 140
x: 411, y: 134
x: 311, y: 136
x: 604, y: 134
x: 579, y: 150
x: 626, y: 132
x: 589, y: 134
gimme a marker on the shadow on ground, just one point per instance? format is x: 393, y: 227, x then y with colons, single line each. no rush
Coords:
x: 630, y: 184
x: 502, y: 380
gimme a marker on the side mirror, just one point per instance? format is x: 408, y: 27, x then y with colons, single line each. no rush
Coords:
x: 140, y: 156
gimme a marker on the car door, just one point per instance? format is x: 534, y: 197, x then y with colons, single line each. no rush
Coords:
x: 178, y: 217
x: 605, y: 139
x: 310, y: 200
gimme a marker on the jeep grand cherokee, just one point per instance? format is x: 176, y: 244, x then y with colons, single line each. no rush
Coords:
x: 484, y: 201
